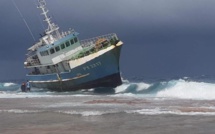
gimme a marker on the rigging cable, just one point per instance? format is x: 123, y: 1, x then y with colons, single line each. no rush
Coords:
x: 23, y: 19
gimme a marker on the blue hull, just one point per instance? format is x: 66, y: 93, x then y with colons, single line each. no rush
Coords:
x: 102, y: 71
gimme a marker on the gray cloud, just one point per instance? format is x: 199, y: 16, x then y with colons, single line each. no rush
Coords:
x: 167, y: 34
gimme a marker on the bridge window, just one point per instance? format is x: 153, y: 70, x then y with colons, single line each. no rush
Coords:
x: 44, y: 53
x: 62, y: 46
x: 52, y: 51
x: 57, y: 48
x: 76, y: 39
x: 72, y: 41
x: 67, y: 44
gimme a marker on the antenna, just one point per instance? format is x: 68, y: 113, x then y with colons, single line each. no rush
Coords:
x: 51, y: 26
x: 23, y: 20
x: 39, y: 18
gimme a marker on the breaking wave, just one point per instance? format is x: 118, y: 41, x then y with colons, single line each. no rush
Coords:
x: 9, y: 86
x: 179, y: 89
x: 176, y: 89
x: 160, y: 111
x: 18, y: 111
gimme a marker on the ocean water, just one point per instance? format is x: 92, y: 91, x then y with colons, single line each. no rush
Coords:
x: 180, y: 105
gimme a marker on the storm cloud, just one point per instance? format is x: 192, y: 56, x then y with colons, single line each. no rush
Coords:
x: 162, y: 38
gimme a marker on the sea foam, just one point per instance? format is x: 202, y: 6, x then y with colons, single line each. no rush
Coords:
x: 188, y: 90
x: 179, y: 89
x: 160, y: 111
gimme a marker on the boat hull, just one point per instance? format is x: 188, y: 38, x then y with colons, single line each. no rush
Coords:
x: 102, y: 71
x: 110, y: 81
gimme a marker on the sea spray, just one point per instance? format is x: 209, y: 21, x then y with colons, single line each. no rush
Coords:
x: 179, y: 89
x: 174, y: 89
x: 189, y: 90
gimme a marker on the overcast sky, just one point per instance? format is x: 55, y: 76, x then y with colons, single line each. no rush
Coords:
x: 162, y: 38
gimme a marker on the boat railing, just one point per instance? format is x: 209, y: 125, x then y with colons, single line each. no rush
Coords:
x: 95, y: 44
x: 55, y: 37
x: 63, y: 34
x: 70, y: 31
x: 92, y: 41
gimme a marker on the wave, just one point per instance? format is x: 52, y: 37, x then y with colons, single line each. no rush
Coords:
x: 9, y: 86
x: 176, y: 89
x: 179, y: 89
x: 155, y: 111
x: 160, y: 111
x: 85, y: 113
x: 19, y: 111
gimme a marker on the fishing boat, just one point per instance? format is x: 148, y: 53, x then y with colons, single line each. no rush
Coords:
x: 60, y: 61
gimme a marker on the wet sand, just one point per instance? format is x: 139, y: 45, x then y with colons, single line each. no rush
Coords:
x: 41, y: 116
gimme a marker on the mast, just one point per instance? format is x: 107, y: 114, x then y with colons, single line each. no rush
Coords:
x: 52, y: 29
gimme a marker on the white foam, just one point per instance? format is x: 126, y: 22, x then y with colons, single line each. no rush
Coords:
x: 82, y: 95
x: 18, y: 111
x: 155, y: 111
x: 140, y: 86
x: 159, y: 111
x: 189, y: 90
x: 91, y: 90
x: 9, y: 84
x: 23, y: 95
x: 33, y: 94
x: 84, y: 113
x: 124, y: 80
x: 121, y: 88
